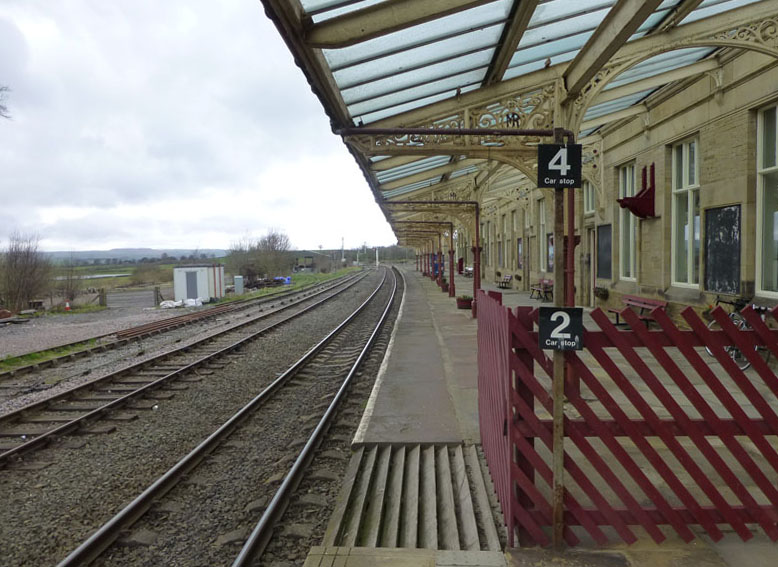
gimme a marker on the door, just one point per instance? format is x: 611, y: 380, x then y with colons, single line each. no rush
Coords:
x: 191, y: 285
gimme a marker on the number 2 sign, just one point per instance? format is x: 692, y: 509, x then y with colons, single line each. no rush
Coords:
x: 561, y: 328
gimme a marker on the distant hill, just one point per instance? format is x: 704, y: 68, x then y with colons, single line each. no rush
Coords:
x: 133, y: 253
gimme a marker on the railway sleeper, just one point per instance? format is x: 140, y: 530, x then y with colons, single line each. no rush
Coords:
x: 132, y: 380
x: 76, y: 406
x: 142, y: 404
x: 97, y: 397
x: 47, y: 418
x: 121, y: 416
x: 115, y: 388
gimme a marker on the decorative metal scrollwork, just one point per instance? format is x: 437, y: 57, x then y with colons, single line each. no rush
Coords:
x: 764, y: 32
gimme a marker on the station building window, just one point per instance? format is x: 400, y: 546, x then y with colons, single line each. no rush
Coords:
x: 550, y: 252
x: 627, y: 224
x: 588, y: 198
x: 542, y: 242
x: 767, y: 201
x: 686, y: 214
x: 517, y: 220
x: 484, y: 245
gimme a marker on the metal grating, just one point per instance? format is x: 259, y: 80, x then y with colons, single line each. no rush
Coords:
x: 414, y: 496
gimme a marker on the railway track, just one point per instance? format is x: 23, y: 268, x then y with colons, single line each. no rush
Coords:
x: 240, y: 479
x: 50, y: 379
x: 140, y: 386
x: 102, y: 343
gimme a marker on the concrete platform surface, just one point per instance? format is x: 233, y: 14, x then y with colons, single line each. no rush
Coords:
x: 427, y: 393
x: 431, y: 394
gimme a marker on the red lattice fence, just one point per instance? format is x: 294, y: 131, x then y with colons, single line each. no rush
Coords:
x: 661, y: 437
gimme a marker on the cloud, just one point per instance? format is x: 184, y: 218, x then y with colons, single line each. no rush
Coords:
x: 151, y: 123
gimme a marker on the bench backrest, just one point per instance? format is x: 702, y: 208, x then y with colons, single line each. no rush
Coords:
x: 643, y: 302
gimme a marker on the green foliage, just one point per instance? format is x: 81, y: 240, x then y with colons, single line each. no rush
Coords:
x: 265, y: 257
x: 151, y: 274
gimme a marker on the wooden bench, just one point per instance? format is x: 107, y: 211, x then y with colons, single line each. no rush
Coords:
x: 642, y: 305
x: 505, y: 283
x: 544, y: 290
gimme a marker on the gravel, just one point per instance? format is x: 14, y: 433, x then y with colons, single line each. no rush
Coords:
x: 25, y: 388
x: 86, y: 479
x: 55, y: 329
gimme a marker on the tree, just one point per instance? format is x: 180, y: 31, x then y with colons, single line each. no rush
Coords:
x: 264, y: 257
x: 3, y: 96
x: 274, y: 254
x: 25, y: 273
x: 69, y: 285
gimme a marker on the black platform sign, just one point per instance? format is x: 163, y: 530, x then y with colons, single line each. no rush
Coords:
x: 559, y: 166
x: 561, y: 328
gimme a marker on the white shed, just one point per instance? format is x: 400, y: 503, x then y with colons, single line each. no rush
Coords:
x: 205, y: 281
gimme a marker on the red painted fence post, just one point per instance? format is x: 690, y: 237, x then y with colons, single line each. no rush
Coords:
x: 522, y: 315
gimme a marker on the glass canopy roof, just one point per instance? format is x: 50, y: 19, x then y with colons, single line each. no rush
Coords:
x: 439, y: 56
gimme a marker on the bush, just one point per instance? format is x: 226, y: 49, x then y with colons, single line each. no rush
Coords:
x: 25, y: 273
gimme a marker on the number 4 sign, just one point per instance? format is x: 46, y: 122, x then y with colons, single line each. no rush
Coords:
x: 561, y: 328
x: 559, y: 166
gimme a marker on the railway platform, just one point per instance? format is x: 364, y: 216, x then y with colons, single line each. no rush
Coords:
x: 415, y: 492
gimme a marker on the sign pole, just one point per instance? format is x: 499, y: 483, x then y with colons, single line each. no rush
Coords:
x: 558, y: 381
x: 559, y: 168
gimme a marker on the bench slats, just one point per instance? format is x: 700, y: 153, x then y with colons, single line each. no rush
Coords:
x: 544, y: 289
x: 642, y: 303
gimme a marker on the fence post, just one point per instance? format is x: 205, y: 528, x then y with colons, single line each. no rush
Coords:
x: 103, y: 297
x: 522, y: 314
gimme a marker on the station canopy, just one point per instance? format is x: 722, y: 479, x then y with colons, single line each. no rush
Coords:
x: 582, y: 65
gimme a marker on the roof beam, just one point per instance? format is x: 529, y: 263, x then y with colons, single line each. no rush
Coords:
x: 678, y: 14
x: 728, y: 20
x: 622, y: 21
x: 395, y: 161
x: 511, y: 36
x: 429, y: 174
x: 657, y: 80
x: 381, y: 19
x: 541, y: 77
x: 486, y: 174
x: 287, y: 17
x: 628, y: 112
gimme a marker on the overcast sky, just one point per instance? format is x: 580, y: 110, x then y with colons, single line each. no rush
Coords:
x: 167, y: 124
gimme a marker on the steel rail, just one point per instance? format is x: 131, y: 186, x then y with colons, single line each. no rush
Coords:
x: 263, y: 531
x: 45, y: 437
x: 99, y: 541
x: 125, y: 336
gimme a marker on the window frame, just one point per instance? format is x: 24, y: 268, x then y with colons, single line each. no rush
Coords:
x: 690, y: 189
x: 589, y: 200
x: 626, y: 218
x: 761, y: 173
